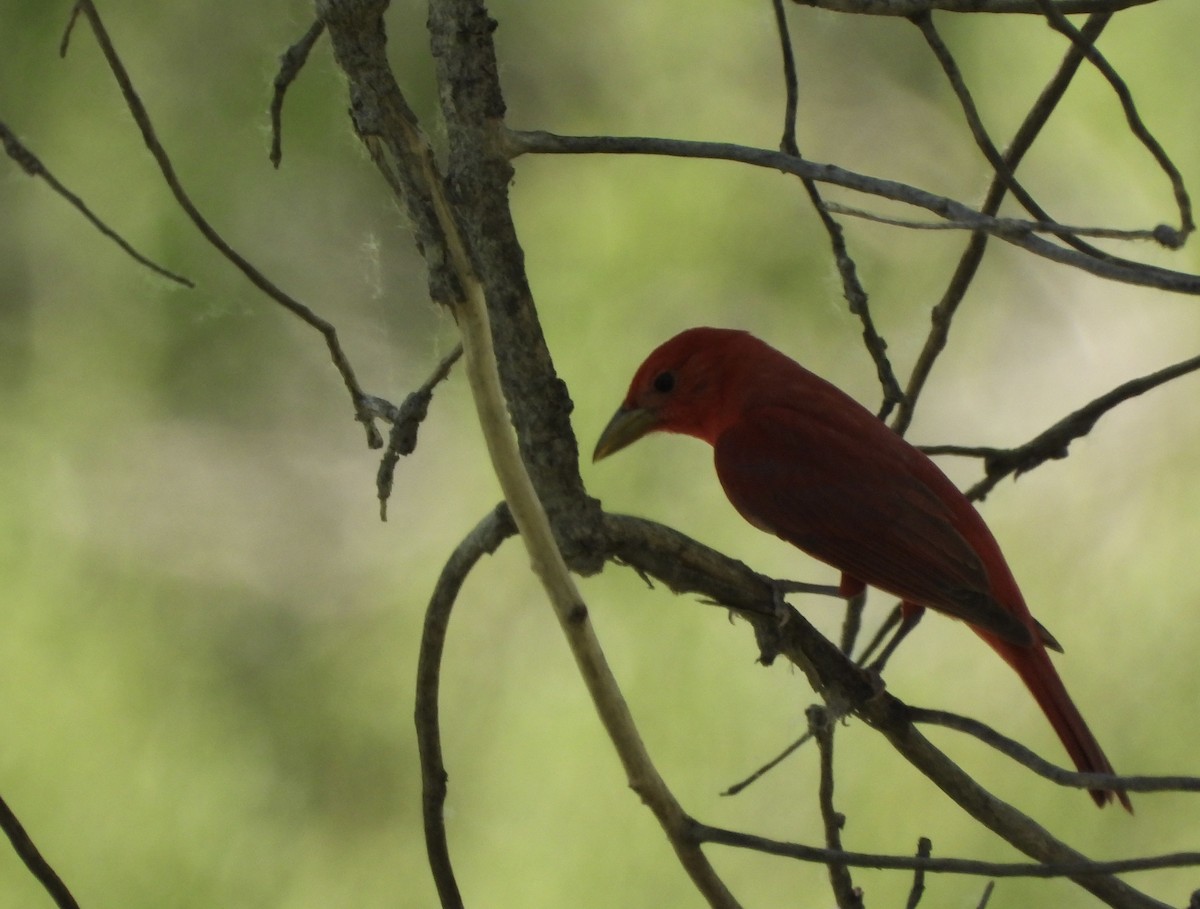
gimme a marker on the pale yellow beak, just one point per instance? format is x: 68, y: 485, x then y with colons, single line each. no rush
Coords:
x: 627, y: 426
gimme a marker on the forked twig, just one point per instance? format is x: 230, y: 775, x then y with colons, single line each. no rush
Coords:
x: 942, y: 315
x: 852, y: 288
x: 150, y: 137
x: 406, y: 421
x: 1052, y: 443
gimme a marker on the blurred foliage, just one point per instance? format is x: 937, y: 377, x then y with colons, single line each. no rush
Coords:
x: 208, y: 639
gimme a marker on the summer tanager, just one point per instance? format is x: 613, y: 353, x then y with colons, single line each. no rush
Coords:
x: 801, y: 459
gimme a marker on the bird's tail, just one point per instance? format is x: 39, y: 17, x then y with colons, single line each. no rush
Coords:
x: 1033, y: 665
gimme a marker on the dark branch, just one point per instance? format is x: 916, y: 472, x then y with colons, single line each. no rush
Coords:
x: 32, y: 165
x: 483, y: 540
x: 1043, y: 768
x: 852, y: 289
x: 405, y: 421
x: 815, y: 854
x: 33, y: 859
x: 924, y: 849
x: 290, y: 64
x: 821, y: 726
x: 943, y: 312
x: 1054, y: 14
x: 1053, y: 443
x: 997, y: 7
x: 1023, y: 234
x: 142, y: 118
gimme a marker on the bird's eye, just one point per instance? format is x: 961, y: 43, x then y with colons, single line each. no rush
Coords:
x: 664, y: 382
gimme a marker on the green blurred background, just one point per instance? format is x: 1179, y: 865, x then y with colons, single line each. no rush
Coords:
x: 208, y: 638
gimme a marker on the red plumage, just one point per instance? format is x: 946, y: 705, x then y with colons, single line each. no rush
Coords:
x: 801, y: 459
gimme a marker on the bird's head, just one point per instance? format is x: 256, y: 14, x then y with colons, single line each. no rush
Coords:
x: 684, y: 386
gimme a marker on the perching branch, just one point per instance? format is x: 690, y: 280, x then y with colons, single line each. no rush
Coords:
x: 462, y: 37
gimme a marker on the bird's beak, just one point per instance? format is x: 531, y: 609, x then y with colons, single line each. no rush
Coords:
x: 627, y: 426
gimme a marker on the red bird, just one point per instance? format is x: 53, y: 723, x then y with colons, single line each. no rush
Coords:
x: 801, y: 459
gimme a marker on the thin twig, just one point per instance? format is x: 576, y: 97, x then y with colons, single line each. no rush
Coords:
x: 821, y: 725
x: 942, y: 315
x: 983, y: 141
x: 909, y: 8
x: 32, y: 165
x: 769, y: 766
x: 1059, y: 22
x: 1136, y: 274
x: 485, y: 539
x: 924, y: 849
x: 1078, y: 869
x: 1053, y: 443
x: 406, y: 421
x: 34, y: 860
x: 1043, y: 768
x: 1006, y: 225
x: 852, y: 288
x: 142, y: 118
x: 290, y: 64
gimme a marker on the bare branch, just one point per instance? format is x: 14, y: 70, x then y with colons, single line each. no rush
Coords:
x: 1039, y: 765
x: 140, y: 116
x: 1052, y: 444
x: 769, y: 766
x: 1008, y: 225
x: 998, y: 7
x: 34, y: 860
x: 290, y: 64
x: 1054, y: 14
x: 32, y: 165
x: 1078, y: 869
x: 406, y: 421
x: 1022, y: 234
x: 852, y: 289
x: 483, y: 540
x: 968, y: 264
x: 924, y: 848
x: 461, y: 34
x: 821, y: 725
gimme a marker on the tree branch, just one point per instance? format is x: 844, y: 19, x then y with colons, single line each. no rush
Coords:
x: 1022, y: 234
x: 485, y: 539
x: 32, y: 165
x: 33, y: 859
x: 149, y: 136
x: 998, y: 7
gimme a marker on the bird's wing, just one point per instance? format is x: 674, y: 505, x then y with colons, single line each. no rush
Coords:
x: 856, y: 496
